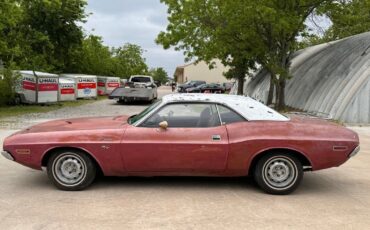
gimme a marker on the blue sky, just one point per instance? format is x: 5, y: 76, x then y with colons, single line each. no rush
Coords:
x: 133, y: 21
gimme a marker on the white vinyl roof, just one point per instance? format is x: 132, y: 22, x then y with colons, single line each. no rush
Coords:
x: 246, y: 106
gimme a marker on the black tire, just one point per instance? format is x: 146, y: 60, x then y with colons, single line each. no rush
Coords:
x: 78, y: 171
x: 278, y: 173
x: 17, y: 100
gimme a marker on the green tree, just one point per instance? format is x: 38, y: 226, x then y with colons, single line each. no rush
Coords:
x: 128, y: 60
x: 240, y: 33
x: 94, y: 57
x: 10, y: 35
x: 277, y: 25
x: 52, y: 31
x: 207, y: 30
x: 348, y: 18
x: 159, y: 74
x: 7, y: 86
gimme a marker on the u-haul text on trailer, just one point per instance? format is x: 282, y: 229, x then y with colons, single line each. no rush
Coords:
x: 107, y: 84
x: 38, y: 87
x: 67, y: 90
x: 86, y: 85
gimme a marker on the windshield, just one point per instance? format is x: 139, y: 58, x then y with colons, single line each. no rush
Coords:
x: 135, y: 118
x: 140, y: 79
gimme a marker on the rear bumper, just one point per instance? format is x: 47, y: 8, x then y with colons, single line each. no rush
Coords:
x: 7, y: 155
x: 130, y: 99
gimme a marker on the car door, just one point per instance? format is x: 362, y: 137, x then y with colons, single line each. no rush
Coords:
x: 195, y: 141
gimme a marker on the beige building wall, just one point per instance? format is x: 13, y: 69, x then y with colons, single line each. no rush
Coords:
x: 201, y: 72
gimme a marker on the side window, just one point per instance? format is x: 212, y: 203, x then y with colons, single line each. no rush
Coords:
x: 185, y: 116
x: 228, y: 116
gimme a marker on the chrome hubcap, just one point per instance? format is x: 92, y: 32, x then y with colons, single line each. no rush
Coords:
x: 69, y: 169
x: 280, y: 172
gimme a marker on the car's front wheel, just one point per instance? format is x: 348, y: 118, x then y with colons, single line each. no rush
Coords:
x: 278, y: 173
x: 71, y: 170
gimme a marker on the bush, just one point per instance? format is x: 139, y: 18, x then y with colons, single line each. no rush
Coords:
x: 7, y: 87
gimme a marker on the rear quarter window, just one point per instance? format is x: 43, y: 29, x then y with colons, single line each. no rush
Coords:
x: 228, y: 116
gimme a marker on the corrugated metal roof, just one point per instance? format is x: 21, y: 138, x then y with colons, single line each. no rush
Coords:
x: 331, y: 79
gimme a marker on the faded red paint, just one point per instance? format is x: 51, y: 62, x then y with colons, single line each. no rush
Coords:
x: 184, y: 151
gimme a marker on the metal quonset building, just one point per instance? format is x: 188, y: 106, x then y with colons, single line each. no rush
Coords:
x: 331, y: 79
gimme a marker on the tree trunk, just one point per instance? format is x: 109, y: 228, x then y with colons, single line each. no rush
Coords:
x: 280, y: 95
x: 270, y: 96
x: 240, y: 85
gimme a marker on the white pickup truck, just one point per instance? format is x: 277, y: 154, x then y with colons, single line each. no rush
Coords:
x: 137, y: 88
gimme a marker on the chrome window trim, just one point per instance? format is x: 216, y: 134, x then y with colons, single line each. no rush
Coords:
x: 163, y: 104
x: 137, y: 123
x: 219, y: 115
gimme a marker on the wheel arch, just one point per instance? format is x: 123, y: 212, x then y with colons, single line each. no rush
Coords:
x: 306, y: 162
x: 45, y: 158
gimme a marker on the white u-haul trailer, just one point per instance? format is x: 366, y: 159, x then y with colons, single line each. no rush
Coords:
x: 36, y: 87
x: 86, y: 85
x: 107, y: 84
x: 67, y: 89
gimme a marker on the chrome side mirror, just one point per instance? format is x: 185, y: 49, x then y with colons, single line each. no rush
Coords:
x: 163, y: 125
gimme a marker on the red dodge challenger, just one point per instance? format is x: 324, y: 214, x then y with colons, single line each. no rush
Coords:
x: 186, y: 135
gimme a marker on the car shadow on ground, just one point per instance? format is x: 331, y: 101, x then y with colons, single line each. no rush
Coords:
x: 311, y: 184
x: 172, y: 182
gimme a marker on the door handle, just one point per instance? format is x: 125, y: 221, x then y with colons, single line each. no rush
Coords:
x: 216, y: 137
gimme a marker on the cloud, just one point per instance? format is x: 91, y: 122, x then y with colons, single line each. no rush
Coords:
x: 133, y: 21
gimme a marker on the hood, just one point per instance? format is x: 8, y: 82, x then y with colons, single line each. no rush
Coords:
x: 88, y: 123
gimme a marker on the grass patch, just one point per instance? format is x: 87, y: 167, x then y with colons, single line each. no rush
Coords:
x: 10, y: 111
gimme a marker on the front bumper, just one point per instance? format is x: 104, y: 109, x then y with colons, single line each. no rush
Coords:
x: 354, y: 152
x: 7, y: 155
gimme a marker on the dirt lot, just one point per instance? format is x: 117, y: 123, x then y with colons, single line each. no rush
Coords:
x: 337, y: 198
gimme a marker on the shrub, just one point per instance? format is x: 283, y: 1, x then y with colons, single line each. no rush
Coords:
x: 7, y: 87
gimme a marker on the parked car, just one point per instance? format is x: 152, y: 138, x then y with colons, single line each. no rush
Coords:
x: 227, y: 86
x: 137, y: 88
x: 190, y: 84
x: 187, y: 135
x: 207, y: 88
x: 158, y: 83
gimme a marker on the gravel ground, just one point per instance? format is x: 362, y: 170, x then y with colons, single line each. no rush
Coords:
x: 336, y: 198
x: 99, y: 108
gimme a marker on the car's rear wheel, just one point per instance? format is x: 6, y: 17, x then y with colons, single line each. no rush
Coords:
x: 71, y: 170
x: 278, y: 173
